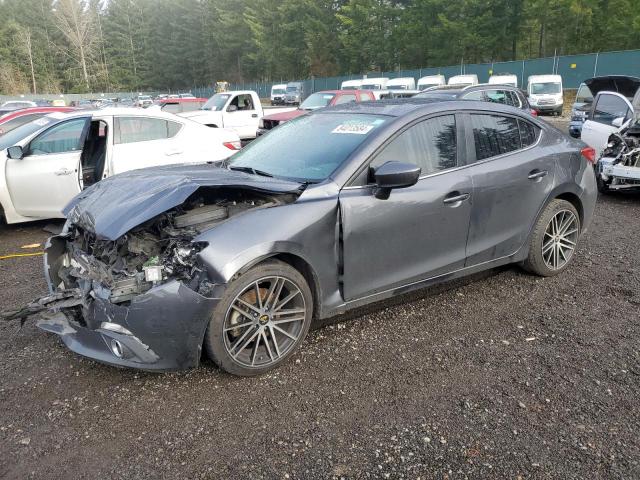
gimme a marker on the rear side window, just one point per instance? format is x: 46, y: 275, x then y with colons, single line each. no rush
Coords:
x: 608, y: 108
x: 143, y: 129
x: 346, y: 98
x: 430, y: 144
x: 529, y: 133
x: 494, y: 135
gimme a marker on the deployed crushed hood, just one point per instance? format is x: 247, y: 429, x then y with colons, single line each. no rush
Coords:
x: 113, y: 206
x: 622, y: 84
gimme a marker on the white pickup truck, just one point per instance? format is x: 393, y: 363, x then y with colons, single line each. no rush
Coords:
x: 239, y: 111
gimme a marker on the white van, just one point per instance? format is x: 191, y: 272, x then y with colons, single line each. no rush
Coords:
x: 351, y: 85
x: 545, y: 93
x: 464, y: 80
x: 402, y: 83
x: 431, y: 81
x: 277, y: 94
x: 374, y: 83
x: 504, y: 79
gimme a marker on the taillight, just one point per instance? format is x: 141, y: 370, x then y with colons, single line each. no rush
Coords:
x: 589, y: 153
x: 233, y: 145
x: 534, y: 112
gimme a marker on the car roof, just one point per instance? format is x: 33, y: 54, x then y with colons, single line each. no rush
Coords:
x: 115, y: 111
x: 406, y: 106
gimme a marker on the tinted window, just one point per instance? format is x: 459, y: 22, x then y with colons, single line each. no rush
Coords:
x: 346, y: 99
x: 430, y: 144
x: 494, y: 135
x: 64, y: 137
x: 608, y: 108
x: 142, y: 129
x: 528, y: 133
x: 584, y: 94
x: 171, y: 108
x: 515, y: 99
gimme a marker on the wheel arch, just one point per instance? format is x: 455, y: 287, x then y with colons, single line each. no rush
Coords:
x: 574, y: 200
x: 298, y: 263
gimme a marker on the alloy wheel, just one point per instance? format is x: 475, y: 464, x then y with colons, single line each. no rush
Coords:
x: 560, y: 239
x: 264, y: 322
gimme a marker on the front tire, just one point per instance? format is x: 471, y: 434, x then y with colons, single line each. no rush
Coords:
x: 554, y: 239
x: 262, y: 318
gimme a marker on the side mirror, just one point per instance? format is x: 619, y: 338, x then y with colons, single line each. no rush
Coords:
x: 15, y: 153
x: 232, y: 108
x: 395, y: 175
x: 617, y: 122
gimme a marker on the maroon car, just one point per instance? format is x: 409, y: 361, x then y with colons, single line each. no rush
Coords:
x: 326, y: 98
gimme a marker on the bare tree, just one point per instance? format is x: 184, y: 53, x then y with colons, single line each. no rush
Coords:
x: 76, y: 24
x: 23, y: 39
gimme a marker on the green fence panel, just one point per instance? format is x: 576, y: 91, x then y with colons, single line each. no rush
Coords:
x: 618, y: 63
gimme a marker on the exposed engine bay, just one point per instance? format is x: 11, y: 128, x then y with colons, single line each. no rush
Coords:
x: 153, y: 252
x: 619, y: 166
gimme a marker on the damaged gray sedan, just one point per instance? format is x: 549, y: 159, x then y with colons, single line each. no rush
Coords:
x: 334, y: 210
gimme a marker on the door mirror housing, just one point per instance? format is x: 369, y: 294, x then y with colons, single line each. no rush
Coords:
x: 617, y: 122
x: 392, y: 175
x: 232, y: 108
x: 15, y: 152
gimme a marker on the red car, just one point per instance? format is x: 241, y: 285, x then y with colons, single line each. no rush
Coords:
x: 180, y: 105
x: 12, y: 120
x: 314, y: 101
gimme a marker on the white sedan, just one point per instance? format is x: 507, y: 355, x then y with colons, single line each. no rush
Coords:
x: 45, y: 163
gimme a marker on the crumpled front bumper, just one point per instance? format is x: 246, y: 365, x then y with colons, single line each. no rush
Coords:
x: 162, y: 329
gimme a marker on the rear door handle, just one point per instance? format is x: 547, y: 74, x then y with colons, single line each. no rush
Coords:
x: 455, y: 198
x: 537, y: 174
x: 63, y: 171
x: 255, y: 115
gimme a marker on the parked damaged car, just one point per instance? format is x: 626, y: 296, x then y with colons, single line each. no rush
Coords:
x: 333, y: 210
x: 619, y: 166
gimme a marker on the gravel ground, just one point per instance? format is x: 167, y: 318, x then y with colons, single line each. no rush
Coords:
x: 504, y: 375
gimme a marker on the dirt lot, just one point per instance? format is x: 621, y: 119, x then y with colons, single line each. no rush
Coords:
x: 502, y: 376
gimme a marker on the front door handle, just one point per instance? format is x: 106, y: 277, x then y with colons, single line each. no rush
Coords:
x: 455, y: 198
x: 255, y: 115
x: 63, y: 171
x: 537, y: 174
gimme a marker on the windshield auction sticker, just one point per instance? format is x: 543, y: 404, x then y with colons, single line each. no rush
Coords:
x: 354, y: 128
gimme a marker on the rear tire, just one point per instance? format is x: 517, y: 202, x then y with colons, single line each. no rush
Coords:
x: 251, y: 331
x: 554, y: 239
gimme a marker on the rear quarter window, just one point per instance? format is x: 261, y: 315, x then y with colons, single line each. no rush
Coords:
x: 494, y: 135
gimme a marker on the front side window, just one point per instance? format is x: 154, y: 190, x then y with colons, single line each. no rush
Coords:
x: 477, y: 95
x: 608, y: 108
x: 584, y: 94
x: 430, y: 144
x: 64, y: 137
x: 494, y: 135
x: 143, y: 129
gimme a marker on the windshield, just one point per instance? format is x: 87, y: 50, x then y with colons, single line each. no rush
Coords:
x: 292, y: 88
x: 424, y: 86
x: 144, y: 97
x: 216, y: 103
x: 371, y: 86
x: 350, y: 87
x: 545, y: 88
x: 15, y: 104
x: 12, y: 137
x: 308, y: 148
x: 317, y: 100
x: 397, y: 87
x: 584, y: 94
x: 277, y: 91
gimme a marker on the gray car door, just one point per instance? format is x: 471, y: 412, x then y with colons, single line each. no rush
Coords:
x: 418, y: 232
x: 512, y: 175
